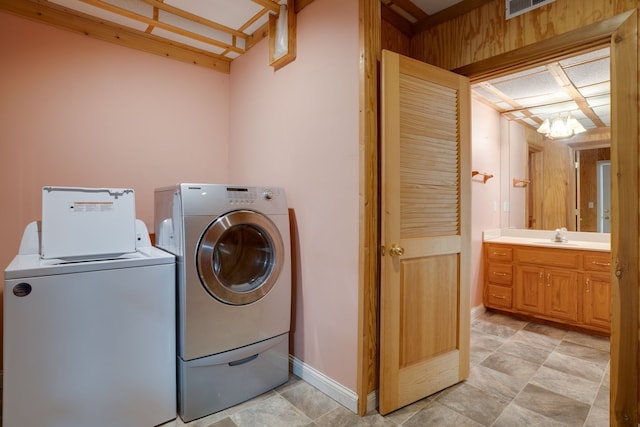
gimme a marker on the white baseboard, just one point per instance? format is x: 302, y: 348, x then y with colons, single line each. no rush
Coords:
x: 331, y: 388
x: 337, y: 391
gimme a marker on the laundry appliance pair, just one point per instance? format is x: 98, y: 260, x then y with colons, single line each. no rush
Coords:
x: 233, y: 267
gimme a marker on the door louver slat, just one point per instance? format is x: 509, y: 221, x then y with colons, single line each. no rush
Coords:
x: 429, y: 160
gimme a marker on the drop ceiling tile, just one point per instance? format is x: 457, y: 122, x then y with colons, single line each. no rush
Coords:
x: 486, y: 94
x: 589, y: 73
x: 528, y: 86
x: 589, y: 56
x: 551, y: 98
x: 233, y: 14
x: 597, y: 89
x: 102, y: 14
x: 599, y: 101
x: 550, y: 111
x: 530, y: 122
x: 519, y: 74
x: 604, y: 112
x: 194, y: 27
x: 136, y: 6
x: 256, y: 25
x: 187, y: 41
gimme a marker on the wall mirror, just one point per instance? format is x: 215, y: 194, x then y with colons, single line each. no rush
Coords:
x: 556, y: 132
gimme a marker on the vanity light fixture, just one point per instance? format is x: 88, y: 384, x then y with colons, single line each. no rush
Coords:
x: 558, y: 128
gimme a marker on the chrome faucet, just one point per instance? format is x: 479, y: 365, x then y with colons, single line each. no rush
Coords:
x: 561, y: 235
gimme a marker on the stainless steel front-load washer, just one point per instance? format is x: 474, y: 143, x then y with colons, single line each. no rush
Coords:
x: 232, y: 246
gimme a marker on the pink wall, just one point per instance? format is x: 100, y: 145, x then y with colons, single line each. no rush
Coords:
x: 79, y: 112
x: 75, y: 111
x: 301, y: 132
x: 485, y: 198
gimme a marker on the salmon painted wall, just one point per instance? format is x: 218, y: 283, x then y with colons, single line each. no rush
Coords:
x: 485, y: 198
x: 75, y: 111
x: 302, y: 134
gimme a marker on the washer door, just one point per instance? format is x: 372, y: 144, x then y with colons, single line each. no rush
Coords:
x: 239, y: 257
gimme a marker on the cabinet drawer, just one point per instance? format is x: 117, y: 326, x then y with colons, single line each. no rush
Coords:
x: 500, y: 273
x: 499, y: 253
x: 498, y: 296
x: 548, y: 257
x: 597, y: 262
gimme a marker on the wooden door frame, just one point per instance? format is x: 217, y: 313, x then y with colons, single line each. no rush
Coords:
x: 624, y: 244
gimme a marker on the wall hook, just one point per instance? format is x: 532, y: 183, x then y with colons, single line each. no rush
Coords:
x: 484, y: 175
x: 520, y: 182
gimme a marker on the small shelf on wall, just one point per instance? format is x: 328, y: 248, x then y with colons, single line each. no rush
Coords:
x: 484, y: 177
x: 282, y: 36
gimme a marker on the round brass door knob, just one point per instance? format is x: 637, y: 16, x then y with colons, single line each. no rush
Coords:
x: 396, y: 250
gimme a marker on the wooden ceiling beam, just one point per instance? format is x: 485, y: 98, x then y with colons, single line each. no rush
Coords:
x: 195, y: 18
x: 58, y: 16
x: 558, y: 73
x: 515, y: 107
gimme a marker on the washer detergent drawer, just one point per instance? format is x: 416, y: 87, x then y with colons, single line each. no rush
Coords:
x: 213, y: 383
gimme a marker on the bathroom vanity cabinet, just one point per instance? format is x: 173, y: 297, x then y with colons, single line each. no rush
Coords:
x: 567, y: 286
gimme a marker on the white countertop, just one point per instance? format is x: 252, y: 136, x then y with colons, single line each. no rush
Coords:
x: 544, y: 238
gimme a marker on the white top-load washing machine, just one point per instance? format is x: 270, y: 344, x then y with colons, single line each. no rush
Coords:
x: 232, y: 245
x: 89, y: 317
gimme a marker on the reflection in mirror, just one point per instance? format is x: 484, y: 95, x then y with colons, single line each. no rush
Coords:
x: 565, y: 188
x: 593, y: 195
x: 560, y: 185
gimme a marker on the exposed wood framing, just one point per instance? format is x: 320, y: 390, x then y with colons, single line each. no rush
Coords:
x: 62, y: 17
x: 58, y: 16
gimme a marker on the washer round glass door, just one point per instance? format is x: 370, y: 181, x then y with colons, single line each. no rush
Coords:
x: 239, y: 257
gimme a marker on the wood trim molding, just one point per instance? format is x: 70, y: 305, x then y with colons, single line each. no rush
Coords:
x: 368, y: 276
x: 565, y: 45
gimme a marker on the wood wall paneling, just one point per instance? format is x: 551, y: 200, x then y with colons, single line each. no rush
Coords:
x: 394, y: 39
x: 484, y: 33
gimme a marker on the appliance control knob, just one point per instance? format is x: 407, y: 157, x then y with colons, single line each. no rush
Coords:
x: 268, y: 194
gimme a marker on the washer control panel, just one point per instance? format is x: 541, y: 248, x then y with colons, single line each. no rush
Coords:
x: 249, y: 195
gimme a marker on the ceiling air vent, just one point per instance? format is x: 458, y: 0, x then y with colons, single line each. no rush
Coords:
x: 518, y: 7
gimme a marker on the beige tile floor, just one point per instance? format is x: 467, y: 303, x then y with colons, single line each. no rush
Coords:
x: 522, y: 374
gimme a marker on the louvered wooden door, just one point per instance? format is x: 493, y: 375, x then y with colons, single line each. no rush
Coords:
x: 426, y: 175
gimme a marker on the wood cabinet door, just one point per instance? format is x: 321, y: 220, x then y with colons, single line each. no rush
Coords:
x: 561, y: 294
x: 530, y: 288
x: 597, y: 300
